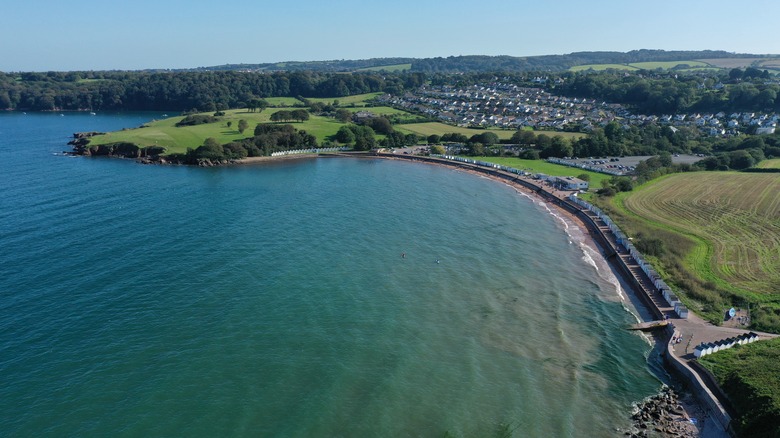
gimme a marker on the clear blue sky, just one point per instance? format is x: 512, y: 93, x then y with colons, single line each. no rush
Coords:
x: 41, y: 35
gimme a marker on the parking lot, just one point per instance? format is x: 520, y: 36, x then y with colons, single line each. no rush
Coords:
x: 627, y: 164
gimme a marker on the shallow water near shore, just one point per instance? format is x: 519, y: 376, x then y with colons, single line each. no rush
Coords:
x: 273, y: 300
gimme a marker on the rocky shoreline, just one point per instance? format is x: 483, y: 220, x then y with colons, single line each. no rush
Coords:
x: 663, y: 415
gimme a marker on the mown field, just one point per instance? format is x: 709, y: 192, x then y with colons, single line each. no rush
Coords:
x: 666, y: 65
x: 720, y: 234
x: 436, y: 128
x: 178, y: 139
x: 357, y: 100
x: 769, y: 164
x: 600, y: 67
x: 748, y: 374
x: 388, y: 68
x: 541, y: 166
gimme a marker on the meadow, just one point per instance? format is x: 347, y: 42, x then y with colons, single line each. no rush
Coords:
x: 437, y: 128
x: 721, y: 237
x: 666, y: 65
x: 388, y: 68
x: 748, y: 375
x: 769, y: 164
x: 177, y: 139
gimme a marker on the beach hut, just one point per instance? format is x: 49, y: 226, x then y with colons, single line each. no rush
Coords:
x: 700, y: 350
x: 681, y: 311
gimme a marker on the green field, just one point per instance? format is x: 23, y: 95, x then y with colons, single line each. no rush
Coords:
x: 749, y: 376
x: 769, y: 164
x: 357, y: 99
x: 541, y: 166
x: 437, y: 128
x: 666, y: 65
x: 600, y: 67
x: 721, y: 237
x: 178, y: 139
x: 388, y: 68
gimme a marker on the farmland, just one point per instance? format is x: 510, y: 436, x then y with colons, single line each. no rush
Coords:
x: 721, y: 234
x: 666, y: 65
x: 436, y: 128
x: 388, y: 68
x: 769, y: 164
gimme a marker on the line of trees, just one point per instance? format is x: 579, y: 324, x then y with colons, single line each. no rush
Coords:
x: 267, y: 139
x: 184, y: 91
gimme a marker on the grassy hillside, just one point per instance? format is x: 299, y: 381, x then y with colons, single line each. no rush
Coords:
x: 720, y: 238
x: 769, y: 164
x: 388, y: 68
x: 666, y: 65
x: 177, y: 139
x: 749, y: 376
x: 431, y: 128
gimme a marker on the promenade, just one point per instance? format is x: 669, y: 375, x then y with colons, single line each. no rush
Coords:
x: 691, y: 331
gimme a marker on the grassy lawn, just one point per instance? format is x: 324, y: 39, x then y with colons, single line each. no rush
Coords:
x: 668, y: 64
x: 357, y: 99
x: 541, y: 166
x: 178, y: 139
x: 430, y: 128
x: 748, y: 374
x: 721, y: 234
x: 769, y: 164
x: 599, y: 67
x: 388, y: 68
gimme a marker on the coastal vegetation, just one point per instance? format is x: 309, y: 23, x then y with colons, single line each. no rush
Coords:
x: 748, y: 375
x: 714, y: 237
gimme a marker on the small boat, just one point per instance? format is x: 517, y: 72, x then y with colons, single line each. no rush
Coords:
x: 92, y: 114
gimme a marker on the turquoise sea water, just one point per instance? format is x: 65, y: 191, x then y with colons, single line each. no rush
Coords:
x: 273, y: 300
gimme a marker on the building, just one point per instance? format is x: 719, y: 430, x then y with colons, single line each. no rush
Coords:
x: 570, y: 183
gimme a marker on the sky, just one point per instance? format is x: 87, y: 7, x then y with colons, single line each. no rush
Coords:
x: 68, y: 35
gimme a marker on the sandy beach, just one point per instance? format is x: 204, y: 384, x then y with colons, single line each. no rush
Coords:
x: 674, y: 422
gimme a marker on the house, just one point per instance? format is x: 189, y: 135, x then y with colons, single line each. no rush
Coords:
x: 361, y: 116
x: 765, y: 130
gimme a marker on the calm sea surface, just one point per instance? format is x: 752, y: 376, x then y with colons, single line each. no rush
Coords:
x: 273, y: 301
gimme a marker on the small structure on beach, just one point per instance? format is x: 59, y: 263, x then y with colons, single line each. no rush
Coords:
x: 570, y: 183
x: 706, y: 348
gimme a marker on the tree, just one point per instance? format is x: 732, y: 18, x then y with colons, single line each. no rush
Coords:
x: 438, y: 149
x: 242, y: 125
x: 584, y: 177
x: 229, y: 123
x: 345, y: 135
x: 434, y: 139
x: 343, y: 115
x: 523, y: 137
x: 300, y: 115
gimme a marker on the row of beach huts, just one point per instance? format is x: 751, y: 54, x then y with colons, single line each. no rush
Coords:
x: 309, y: 151
x: 706, y: 348
x: 679, y: 309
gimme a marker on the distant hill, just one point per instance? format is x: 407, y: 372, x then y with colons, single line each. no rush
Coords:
x: 480, y: 63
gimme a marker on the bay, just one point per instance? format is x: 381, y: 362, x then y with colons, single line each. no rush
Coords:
x: 274, y: 300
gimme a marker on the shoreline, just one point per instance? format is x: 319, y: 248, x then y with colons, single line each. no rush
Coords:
x: 686, y: 405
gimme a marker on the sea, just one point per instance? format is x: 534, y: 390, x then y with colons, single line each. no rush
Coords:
x: 322, y: 297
